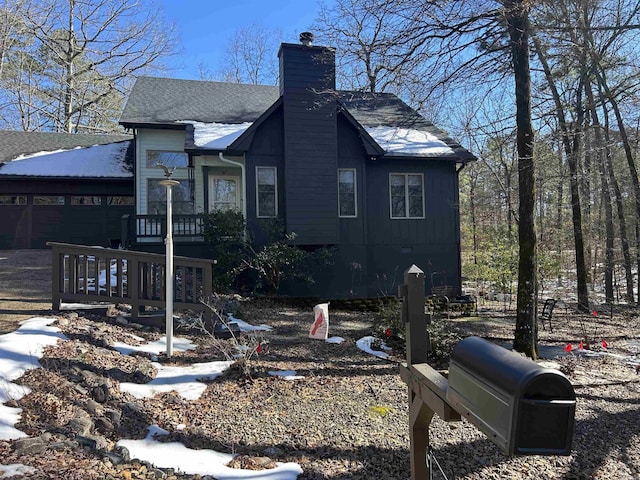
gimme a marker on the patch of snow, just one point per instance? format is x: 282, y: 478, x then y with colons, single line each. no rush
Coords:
x: 97, y: 161
x: 179, y: 345
x: 407, y: 141
x: 334, y: 340
x: 203, y: 462
x: 286, y: 374
x: 216, y: 135
x: 19, y: 352
x: 184, y: 380
x: 15, y: 469
x: 247, y: 327
x: 365, y: 343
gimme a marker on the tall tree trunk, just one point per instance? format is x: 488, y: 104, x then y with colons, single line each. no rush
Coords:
x: 525, y: 338
x: 69, y: 79
x: 622, y: 222
x: 560, y: 216
x: 606, y: 194
x: 572, y: 146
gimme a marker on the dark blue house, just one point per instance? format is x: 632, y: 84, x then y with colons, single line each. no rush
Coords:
x: 361, y: 172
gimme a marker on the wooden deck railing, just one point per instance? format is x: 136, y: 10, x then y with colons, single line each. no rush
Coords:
x: 95, y: 274
x: 150, y: 228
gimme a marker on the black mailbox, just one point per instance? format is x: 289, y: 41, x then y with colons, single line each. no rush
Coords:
x: 522, y: 407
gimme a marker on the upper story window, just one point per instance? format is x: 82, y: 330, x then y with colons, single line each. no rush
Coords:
x: 120, y: 200
x: 406, y: 193
x: 86, y: 200
x: 181, y: 197
x: 266, y: 192
x: 48, y: 200
x: 13, y: 199
x: 167, y: 158
x: 347, y: 205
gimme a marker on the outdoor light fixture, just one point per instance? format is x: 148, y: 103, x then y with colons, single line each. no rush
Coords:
x: 169, y: 273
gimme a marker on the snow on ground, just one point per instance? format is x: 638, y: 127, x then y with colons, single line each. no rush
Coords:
x: 97, y: 161
x: 202, y: 462
x: 154, y: 348
x: 21, y: 350
x: 184, y: 380
x: 365, y: 343
x: 334, y: 340
x: 247, y: 327
x: 286, y: 374
x: 15, y: 469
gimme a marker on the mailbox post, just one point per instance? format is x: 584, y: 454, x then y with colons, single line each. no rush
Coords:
x: 522, y: 407
x: 427, y: 387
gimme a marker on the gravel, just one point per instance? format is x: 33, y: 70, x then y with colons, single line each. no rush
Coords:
x: 346, y: 419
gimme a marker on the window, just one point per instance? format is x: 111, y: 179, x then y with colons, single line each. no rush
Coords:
x: 181, y: 197
x: 13, y: 200
x: 266, y: 192
x: 406, y: 195
x: 117, y: 201
x: 166, y: 158
x: 86, y: 200
x: 48, y: 200
x: 347, y: 192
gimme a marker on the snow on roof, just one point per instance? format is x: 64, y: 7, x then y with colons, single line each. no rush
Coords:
x: 217, y: 136
x: 407, y: 141
x: 96, y: 161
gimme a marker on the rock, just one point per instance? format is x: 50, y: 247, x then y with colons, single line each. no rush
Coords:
x: 94, y: 442
x: 101, y: 393
x: 114, y: 457
x: 29, y: 446
x: 123, y: 452
x: 12, y: 403
x: 120, y: 320
x: 81, y: 423
x: 63, y: 322
x: 93, y: 407
x: 114, y: 416
x: 158, y: 473
x: 103, y: 425
x: 86, y: 442
x: 137, y: 326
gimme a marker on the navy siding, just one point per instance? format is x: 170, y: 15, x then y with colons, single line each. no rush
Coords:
x: 351, y: 154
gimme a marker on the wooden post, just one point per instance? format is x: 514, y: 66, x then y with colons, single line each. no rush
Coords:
x: 414, y: 317
x: 427, y: 388
x: 418, y: 348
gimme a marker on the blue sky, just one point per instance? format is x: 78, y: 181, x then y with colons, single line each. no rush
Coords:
x: 205, y: 26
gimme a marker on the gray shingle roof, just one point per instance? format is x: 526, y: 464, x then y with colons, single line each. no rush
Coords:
x: 167, y: 100
x: 385, y: 109
x: 16, y: 143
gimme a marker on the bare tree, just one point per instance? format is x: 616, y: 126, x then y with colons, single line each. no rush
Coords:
x: 250, y: 56
x: 81, y: 60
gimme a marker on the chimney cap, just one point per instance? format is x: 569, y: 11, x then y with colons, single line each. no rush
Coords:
x: 306, y: 38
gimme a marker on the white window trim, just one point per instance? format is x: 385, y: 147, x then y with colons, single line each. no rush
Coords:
x: 355, y: 192
x: 275, y: 176
x: 406, y: 196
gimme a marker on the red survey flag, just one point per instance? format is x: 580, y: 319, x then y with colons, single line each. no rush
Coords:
x: 604, y: 343
x: 568, y: 348
x: 580, y: 347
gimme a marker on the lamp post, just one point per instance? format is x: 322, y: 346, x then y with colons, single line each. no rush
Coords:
x: 169, y: 273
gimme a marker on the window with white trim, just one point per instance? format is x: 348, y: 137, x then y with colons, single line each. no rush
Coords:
x: 181, y: 197
x: 266, y: 192
x: 406, y: 194
x: 347, y: 188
